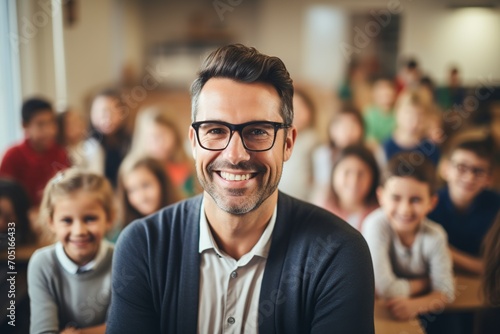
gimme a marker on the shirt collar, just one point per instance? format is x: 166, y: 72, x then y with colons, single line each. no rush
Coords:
x: 207, y: 241
x: 72, y: 267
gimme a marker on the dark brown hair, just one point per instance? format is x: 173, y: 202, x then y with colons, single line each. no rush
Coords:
x: 491, y: 255
x: 168, y: 192
x: 482, y: 148
x: 245, y: 64
x: 412, y: 165
x: 33, y: 106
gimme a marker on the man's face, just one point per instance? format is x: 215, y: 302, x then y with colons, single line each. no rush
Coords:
x: 238, y: 180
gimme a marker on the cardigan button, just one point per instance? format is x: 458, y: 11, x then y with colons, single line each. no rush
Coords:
x: 234, y: 274
x: 231, y: 320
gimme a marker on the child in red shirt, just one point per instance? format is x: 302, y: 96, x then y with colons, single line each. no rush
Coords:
x: 36, y: 159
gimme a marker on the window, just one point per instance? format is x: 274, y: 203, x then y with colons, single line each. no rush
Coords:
x: 10, y: 85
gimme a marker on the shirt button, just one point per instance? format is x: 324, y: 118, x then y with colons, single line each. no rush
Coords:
x: 231, y: 320
x: 234, y: 274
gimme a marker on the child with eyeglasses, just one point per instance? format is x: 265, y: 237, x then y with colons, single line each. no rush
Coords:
x: 466, y: 208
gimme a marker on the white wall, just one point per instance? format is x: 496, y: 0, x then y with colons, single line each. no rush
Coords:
x: 107, y: 35
x: 111, y: 33
x: 35, y: 49
x: 435, y: 34
x: 439, y: 36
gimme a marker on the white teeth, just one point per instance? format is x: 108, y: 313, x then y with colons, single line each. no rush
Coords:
x: 234, y: 177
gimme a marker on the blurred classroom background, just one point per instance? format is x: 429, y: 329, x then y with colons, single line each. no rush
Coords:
x: 154, y: 47
x: 149, y: 51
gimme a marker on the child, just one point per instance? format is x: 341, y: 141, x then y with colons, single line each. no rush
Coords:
x: 14, y: 206
x: 353, y: 185
x: 379, y: 118
x: 69, y: 283
x: 37, y: 158
x: 409, y: 135
x: 109, y: 142
x: 412, y: 265
x: 159, y: 137
x: 466, y: 209
x: 143, y: 188
x: 72, y: 135
x: 346, y: 128
x: 297, y: 176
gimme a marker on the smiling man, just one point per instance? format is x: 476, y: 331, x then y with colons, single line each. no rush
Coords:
x: 242, y: 257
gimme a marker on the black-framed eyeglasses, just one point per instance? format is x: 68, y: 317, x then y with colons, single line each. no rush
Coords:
x: 257, y: 136
x: 463, y: 169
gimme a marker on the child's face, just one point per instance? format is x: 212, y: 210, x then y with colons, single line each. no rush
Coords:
x: 74, y: 129
x: 352, y: 180
x: 405, y: 201
x: 467, y: 175
x: 384, y: 94
x: 42, y: 129
x: 409, y: 119
x: 346, y: 131
x: 143, y: 190
x: 80, y: 223
x: 106, y: 115
x: 7, y: 214
x: 161, y: 142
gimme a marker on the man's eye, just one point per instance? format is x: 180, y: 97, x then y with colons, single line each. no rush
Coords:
x: 415, y: 200
x: 257, y: 132
x: 66, y: 220
x: 216, y: 131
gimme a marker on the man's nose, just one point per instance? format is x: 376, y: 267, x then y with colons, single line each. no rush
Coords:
x: 235, y: 152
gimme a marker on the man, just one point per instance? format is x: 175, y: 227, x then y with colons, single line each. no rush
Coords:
x: 242, y: 257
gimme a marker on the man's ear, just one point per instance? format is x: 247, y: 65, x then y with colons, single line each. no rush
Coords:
x: 192, y: 140
x: 289, y: 142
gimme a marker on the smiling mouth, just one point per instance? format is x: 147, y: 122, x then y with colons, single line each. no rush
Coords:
x: 236, y: 177
x: 80, y: 242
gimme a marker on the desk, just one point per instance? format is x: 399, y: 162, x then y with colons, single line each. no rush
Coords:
x: 468, y: 297
x: 386, y: 324
x: 468, y: 294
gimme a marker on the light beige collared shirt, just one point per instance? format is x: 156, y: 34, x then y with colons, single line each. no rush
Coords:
x: 230, y: 289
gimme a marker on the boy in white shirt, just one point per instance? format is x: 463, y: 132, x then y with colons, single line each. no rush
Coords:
x: 412, y: 263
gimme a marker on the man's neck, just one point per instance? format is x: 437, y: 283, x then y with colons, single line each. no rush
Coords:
x: 236, y: 235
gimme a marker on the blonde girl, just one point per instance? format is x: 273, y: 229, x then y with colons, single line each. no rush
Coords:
x: 69, y: 282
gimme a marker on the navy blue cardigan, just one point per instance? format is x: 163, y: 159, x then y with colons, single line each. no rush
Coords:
x: 318, y: 276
